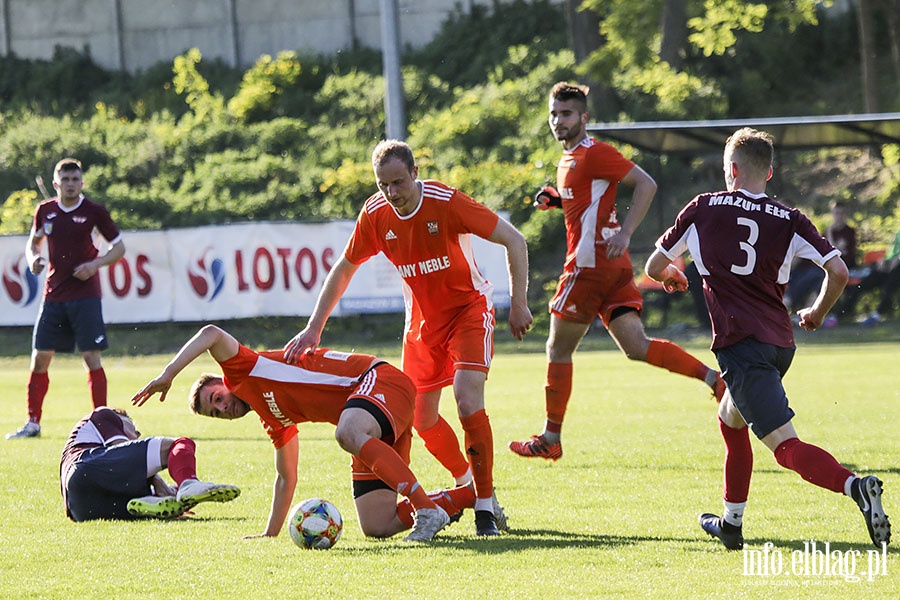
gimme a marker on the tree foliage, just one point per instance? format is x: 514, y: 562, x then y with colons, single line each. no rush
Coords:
x: 195, y: 142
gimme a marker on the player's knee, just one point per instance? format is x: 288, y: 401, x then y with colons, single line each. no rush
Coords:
x: 345, y: 438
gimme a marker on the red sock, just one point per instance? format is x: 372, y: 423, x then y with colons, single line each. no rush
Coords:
x: 441, y: 441
x: 182, y: 460
x: 671, y: 356
x: 738, y: 463
x: 812, y: 464
x: 452, y: 501
x: 38, y: 384
x: 557, y: 391
x: 480, y: 450
x: 390, y: 468
x: 97, y: 385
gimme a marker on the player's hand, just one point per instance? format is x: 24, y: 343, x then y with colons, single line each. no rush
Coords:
x: 304, y: 342
x: 254, y: 536
x: 547, y: 198
x: 616, y: 245
x: 809, y: 320
x: 675, y: 280
x: 160, y: 384
x: 85, y: 271
x: 520, y: 321
x: 37, y: 267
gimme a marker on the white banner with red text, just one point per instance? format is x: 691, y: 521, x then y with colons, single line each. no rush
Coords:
x: 229, y: 272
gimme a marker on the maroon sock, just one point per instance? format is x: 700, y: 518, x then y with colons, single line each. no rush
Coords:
x: 38, y: 384
x: 183, y: 460
x: 738, y: 463
x: 97, y: 385
x: 812, y: 464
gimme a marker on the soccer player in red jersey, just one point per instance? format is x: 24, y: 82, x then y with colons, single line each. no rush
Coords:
x: 424, y: 229
x: 108, y: 471
x: 369, y: 400
x: 743, y: 243
x: 70, y: 313
x: 597, y: 278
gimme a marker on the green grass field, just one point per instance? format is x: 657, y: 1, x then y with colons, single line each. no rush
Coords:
x: 615, y: 518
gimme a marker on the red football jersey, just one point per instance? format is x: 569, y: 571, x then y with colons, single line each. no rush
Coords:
x: 431, y: 248
x: 587, y: 178
x: 315, y: 390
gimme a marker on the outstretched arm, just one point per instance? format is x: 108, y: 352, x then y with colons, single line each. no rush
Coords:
x: 283, y: 489
x: 220, y: 344
x: 520, y: 318
x: 334, y: 287
x: 641, y: 198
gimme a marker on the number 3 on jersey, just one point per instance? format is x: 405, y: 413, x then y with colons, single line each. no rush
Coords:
x: 747, y: 247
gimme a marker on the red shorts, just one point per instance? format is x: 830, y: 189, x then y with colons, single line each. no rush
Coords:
x: 391, y: 398
x: 431, y: 357
x: 584, y: 294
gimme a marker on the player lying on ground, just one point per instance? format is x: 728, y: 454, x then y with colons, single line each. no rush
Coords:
x: 369, y: 400
x: 108, y: 471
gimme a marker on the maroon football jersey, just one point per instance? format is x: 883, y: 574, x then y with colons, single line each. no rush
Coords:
x: 69, y: 234
x: 743, y: 245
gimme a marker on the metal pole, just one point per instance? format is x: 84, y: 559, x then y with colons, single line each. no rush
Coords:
x: 120, y: 46
x: 235, y: 36
x: 393, y: 79
x: 6, y: 43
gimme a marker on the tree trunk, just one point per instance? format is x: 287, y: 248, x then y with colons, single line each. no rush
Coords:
x: 674, y: 33
x: 891, y: 10
x: 867, y: 56
x: 584, y: 30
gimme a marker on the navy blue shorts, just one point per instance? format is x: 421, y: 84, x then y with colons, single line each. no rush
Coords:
x: 62, y: 325
x: 103, y: 480
x: 753, y: 372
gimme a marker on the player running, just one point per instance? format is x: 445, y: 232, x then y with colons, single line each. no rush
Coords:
x: 743, y: 243
x: 424, y: 229
x: 597, y: 278
x: 369, y: 400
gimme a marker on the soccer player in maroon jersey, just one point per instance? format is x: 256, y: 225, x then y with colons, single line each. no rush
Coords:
x: 597, y: 278
x: 70, y: 313
x: 424, y: 228
x: 743, y: 243
x: 108, y: 471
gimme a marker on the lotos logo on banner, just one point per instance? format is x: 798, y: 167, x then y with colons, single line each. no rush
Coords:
x: 207, y: 275
x: 20, y: 283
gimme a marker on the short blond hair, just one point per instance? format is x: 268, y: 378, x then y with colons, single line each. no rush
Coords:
x: 751, y: 149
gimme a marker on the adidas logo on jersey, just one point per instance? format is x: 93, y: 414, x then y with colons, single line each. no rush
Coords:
x: 390, y: 235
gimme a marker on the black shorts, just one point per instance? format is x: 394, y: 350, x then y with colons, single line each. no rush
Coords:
x: 61, y: 326
x: 103, y: 480
x: 753, y: 372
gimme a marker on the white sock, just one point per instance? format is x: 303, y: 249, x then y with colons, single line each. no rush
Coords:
x: 734, y: 513
x: 848, y: 486
x: 551, y: 437
x: 465, y: 478
x: 484, y: 504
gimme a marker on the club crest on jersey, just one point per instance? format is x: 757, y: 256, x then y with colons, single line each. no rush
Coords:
x: 432, y: 227
x: 48, y: 228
